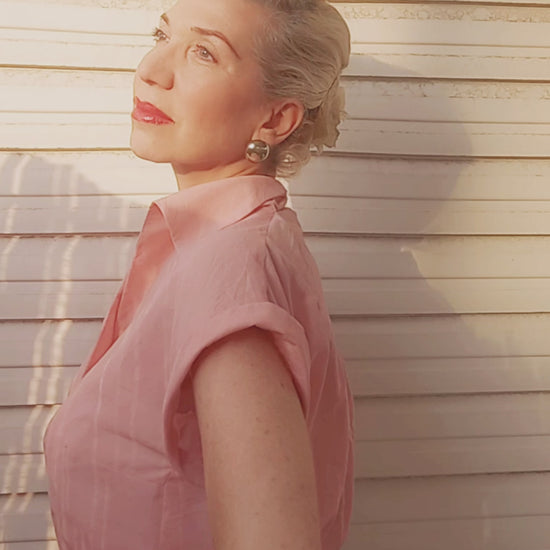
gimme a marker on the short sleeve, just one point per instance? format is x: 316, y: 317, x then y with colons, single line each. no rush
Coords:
x: 236, y: 285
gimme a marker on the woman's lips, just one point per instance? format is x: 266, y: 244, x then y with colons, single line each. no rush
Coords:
x: 147, y: 112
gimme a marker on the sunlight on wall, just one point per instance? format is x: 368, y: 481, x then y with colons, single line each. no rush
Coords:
x: 65, y: 275
x: 17, y: 175
x: 56, y: 351
x: 21, y: 471
x: 49, y: 352
x: 5, y: 257
x: 38, y: 346
x: 10, y: 219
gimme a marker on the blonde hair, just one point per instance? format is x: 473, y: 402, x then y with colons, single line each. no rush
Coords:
x: 302, y: 50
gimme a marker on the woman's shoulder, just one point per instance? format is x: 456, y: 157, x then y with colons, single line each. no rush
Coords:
x: 267, y: 247
x: 286, y: 243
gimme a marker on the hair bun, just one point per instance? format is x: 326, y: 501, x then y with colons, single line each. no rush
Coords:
x: 331, y: 113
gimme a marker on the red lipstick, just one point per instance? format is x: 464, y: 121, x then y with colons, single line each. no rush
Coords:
x: 147, y: 112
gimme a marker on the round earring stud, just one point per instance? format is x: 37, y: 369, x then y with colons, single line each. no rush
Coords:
x: 257, y: 151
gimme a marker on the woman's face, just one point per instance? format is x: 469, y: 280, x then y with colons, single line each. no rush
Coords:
x: 203, y: 75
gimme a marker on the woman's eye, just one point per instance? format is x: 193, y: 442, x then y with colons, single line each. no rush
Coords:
x: 158, y: 35
x: 204, y: 53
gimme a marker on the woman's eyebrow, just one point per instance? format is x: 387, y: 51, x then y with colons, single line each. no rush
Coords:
x: 206, y: 32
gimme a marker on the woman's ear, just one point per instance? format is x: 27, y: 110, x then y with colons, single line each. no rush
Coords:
x: 285, y: 116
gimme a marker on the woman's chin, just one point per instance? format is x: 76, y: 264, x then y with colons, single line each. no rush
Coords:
x: 146, y: 150
x: 146, y: 156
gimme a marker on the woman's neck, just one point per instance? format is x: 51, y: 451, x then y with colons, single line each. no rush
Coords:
x: 189, y: 177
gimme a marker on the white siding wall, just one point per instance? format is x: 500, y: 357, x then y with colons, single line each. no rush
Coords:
x: 430, y: 224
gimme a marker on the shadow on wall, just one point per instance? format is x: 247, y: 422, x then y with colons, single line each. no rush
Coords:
x: 65, y: 245
x: 403, y: 201
x: 402, y: 345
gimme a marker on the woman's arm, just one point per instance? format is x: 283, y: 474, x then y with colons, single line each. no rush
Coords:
x: 258, y: 464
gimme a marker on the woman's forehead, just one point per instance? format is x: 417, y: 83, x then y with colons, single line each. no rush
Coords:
x: 239, y: 19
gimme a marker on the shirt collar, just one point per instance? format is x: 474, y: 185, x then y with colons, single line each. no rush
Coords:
x: 217, y: 204
x: 172, y: 220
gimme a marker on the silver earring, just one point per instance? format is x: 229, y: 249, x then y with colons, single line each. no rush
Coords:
x: 257, y: 150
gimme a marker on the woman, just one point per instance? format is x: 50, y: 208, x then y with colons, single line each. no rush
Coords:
x: 214, y: 411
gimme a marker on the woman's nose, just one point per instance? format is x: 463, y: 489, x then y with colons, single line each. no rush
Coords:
x: 156, y: 68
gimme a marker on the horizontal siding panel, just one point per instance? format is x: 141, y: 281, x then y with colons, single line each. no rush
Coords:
x: 67, y: 342
x: 79, y: 17
x: 47, y: 343
x: 35, y: 386
x: 432, y: 296
x: 441, y: 31
x: 422, y: 217
x: 425, y: 23
x: 449, y: 101
x: 448, y: 376
x: 83, y: 173
x: 449, y: 61
x: 91, y: 299
x: 83, y: 214
x: 26, y: 517
x: 425, y: 258
x: 31, y: 545
x: 383, y: 459
x: 394, y: 177
x: 76, y: 258
x: 23, y: 474
x: 31, y: 48
x: 79, y: 131
x: 443, y: 138
x: 22, y: 428
x: 452, y: 497
x: 64, y: 91
x: 471, y: 336
x: 121, y: 173
x: 57, y: 300
x: 57, y: 53
x: 511, y: 533
x: 69, y: 259
x: 112, y: 214
x: 453, y: 417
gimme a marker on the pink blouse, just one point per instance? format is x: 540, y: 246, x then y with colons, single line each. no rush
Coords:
x: 123, y: 452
